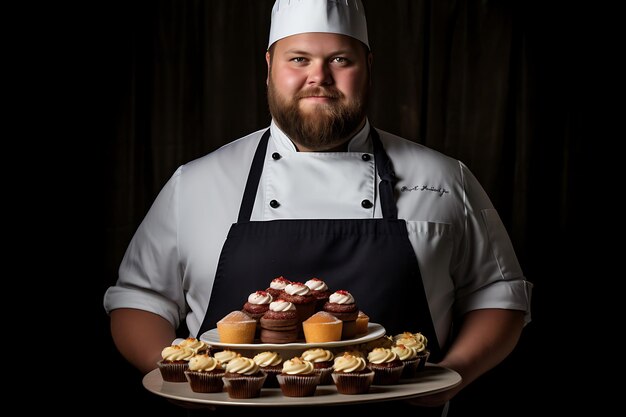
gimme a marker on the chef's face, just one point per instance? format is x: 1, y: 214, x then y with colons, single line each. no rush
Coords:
x: 317, y: 88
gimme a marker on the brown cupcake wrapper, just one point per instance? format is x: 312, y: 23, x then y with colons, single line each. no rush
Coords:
x: 387, y: 376
x: 271, y: 381
x: 298, y: 385
x: 410, y: 367
x: 423, y: 358
x: 173, y: 372
x: 353, y: 383
x: 205, y: 381
x: 244, y: 386
x: 326, y: 377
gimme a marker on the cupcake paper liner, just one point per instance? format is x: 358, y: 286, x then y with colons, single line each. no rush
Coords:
x: 353, y: 383
x: 298, y: 385
x: 244, y: 386
x: 325, y: 375
x: 205, y: 381
x: 410, y: 366
x: 387, y: 376
x: 173, y: 372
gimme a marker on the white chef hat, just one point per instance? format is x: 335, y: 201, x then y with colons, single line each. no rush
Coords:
x: 291, y: 17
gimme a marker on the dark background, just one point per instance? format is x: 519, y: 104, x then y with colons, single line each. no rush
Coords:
x: 496, y: 84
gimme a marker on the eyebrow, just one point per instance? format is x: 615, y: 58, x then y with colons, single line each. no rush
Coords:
x: 301, y: 52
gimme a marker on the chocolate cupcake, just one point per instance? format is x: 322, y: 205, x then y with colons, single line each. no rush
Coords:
x: 243, y: 378
x: 341, y: 304
x: 351, y: 374
x: 174, y: 363
x: 298, y: 378
x: 205, y: 374
x: 300, y: 296
x: 280, y: 323
x: 386, y: 366
x: 322, y: 361
x: 277, y: 287
x: 272, y: 364
x: 320, y: 291
x: 258, y: 303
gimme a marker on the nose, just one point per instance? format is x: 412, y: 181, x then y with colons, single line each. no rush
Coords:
x: 320, y: 74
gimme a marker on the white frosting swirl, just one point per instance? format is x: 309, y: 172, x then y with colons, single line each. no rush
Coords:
x: 404, y: 353
x: 297, y: 288
x: 203, y: 363
x: 317, y: 355
x: 281, y: 305
x: 177, y: 353
x: 193, y: 344
x: 297, y: 366
x: 420, y: 338
x: 260, y: 297
x: 225, y: 356
x: 279, y: 283
x: 316, y: 284
x: 349, y: 363
x: 241, y: 365
x: 341, y: 297
x: 381, y: 355
x: 264, y: 359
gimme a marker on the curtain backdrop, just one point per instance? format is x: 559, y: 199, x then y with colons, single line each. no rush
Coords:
x: 487, y: 82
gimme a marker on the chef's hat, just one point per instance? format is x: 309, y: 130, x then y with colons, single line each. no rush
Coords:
x: 291, y: 17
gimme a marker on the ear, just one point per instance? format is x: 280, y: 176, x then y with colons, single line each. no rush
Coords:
x: 269, y: 61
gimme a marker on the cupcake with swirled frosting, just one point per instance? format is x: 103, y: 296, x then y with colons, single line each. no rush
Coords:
x: 298, y: 378
x: 243, y: 378
x: 342, y: 305
x: 409, y: 358
x: 300, y: 296
x: 277, y: 287
x: 272, y: 364
x: 319, y: 290
x: 280, y: 323
x: 416, y: 341
x: 174, y: 363
x: 225, y: 356
x: 322, y: 361
x: 205, y: 374
x: 351, y: 374
x: 198, y: 346
x: 386, y: 366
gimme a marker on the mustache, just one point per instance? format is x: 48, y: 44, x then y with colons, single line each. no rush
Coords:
x: 319, y: 92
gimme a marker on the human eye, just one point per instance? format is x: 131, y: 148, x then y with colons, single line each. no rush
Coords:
x: 298, y: 60
x: 341, y: 60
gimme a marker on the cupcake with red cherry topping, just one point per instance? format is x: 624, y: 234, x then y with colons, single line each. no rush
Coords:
x: 386, y: 366
x: 205, y: 374
x: 319, y: 290
x: 174, y: 363
x: 351, y: 374
x: 243, y: 378
x: 300, y: 296
x: 322, y: 361
x: 342, y: 305
x: 298, y: 378
x: 272, y: 364
x: 277, y: 287
x: 280, y: 323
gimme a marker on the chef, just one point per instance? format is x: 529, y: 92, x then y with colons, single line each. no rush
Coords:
x: 323, y: 193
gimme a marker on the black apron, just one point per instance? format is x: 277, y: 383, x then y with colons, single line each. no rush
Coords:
x: 373, y: 259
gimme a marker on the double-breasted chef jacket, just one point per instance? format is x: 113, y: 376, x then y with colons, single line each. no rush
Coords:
x: 465, y: 256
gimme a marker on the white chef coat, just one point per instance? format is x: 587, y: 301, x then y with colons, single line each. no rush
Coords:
x: 464, y: 253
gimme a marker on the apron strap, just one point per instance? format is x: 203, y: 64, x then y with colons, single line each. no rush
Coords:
x: 254, y: 176
x: 383, y: 166
x: 387, y: 177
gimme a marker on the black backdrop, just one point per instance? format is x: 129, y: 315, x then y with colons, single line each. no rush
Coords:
x: 493, y: 83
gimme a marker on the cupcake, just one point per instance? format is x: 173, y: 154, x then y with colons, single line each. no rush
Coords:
x: 409, y: 358
x: 300, y: 296
x: 416, y: 341
x: 341, y: 304
x: 236, y: 327
x: 319, y: 290
x: 272, y: 364
x: 277, y: 287
x: 322, y: 361
x: 174, y: 363
x: 243, y: 378
x: 386, y: 366
x: 205, y: 374
x: 298, y: 378
x: 362, y: 320
x: 198, y: 346
x: 351, y: 374
x: 280, y: 323
x: 322, y: 327
x: 258, y: 303
x: 225, y: 356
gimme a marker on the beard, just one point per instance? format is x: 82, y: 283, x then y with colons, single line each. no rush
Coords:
x: 324, y: 126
